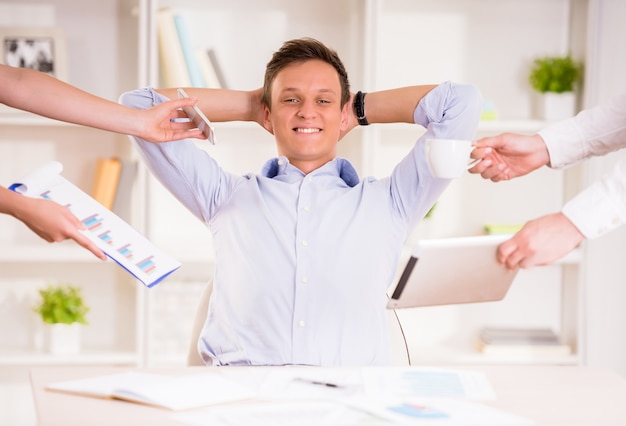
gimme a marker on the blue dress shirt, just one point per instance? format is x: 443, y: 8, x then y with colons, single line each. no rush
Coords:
x: 303, y: 262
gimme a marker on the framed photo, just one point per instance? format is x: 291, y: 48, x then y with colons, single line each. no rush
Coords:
x: 38, y: 48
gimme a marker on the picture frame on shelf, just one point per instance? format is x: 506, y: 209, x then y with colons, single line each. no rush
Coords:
x: 39, y: 48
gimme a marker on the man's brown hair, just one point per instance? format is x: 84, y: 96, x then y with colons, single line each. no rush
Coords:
x: 302, y: 50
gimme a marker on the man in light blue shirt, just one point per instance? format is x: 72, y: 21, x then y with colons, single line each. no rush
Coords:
x: 305, y: 251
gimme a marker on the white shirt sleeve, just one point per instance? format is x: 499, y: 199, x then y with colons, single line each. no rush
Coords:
x: 593, y: 132
x: 597, y: 131
x: 601, y: 207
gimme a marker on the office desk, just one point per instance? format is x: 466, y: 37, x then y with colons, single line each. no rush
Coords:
x: 548, y: 395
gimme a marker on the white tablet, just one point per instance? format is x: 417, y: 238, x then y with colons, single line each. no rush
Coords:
x: 453, y: 270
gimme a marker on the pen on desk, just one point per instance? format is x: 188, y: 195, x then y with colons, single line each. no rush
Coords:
x: 317, y: 382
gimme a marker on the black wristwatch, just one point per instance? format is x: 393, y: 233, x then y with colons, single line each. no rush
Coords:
x: 359, y: 108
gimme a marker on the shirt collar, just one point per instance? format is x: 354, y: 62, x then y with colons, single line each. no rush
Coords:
x: 339, y: 167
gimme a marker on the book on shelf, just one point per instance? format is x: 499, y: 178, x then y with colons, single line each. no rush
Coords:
x: 160, y: 390
x: 218, y: 69
x: 182, y: 63
x: 171, y: 57
x: 196, y: 77
x: 106, y: 180
x: 122, y: 205
x: 213, y: 75
x: 116, y: 238
x: 521, y: 342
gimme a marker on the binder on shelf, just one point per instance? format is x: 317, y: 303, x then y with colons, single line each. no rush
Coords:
x: 106, y: 180
x: 116, y: 238
x: 173, y: 67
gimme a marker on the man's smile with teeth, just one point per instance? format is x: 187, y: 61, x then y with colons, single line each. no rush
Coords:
x: 307, y: 130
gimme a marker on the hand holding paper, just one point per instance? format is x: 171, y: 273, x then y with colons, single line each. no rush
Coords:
x: 110, y: 233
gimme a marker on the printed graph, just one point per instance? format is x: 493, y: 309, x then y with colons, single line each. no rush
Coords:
x: 110, y: 233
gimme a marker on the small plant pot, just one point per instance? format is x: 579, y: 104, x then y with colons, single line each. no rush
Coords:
x: 556, y: 106
x: 63, y: 339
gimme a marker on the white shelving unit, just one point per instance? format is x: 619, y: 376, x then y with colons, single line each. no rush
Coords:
x: 95, y: 64
x: 384, y: 44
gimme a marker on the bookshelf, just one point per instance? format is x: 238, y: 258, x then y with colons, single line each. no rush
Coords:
x: 384, y: 43
x: 28, y: 141
x: 378, y: 35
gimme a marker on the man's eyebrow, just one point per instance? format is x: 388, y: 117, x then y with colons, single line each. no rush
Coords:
x: 296, y: 90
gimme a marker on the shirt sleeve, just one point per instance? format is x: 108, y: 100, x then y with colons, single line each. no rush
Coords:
x: 601, y: 207
x: 592, y: 132
x: 187, y: 171
x: 449, y: 111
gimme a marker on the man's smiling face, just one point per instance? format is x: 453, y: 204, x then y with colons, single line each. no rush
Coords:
x: 306, y: 116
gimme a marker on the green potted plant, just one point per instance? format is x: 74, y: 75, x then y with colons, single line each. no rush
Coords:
x: 555, y: 78
x: 63, y: 311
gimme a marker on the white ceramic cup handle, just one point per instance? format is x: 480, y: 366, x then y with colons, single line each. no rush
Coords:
x: 473, y: 163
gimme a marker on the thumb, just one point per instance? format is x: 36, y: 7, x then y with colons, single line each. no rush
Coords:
x: 179, y: 103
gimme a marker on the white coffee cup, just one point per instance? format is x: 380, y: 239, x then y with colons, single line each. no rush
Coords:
x: 449, y: 158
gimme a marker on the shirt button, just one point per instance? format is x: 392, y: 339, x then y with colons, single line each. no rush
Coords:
x: 304, y: 280
x: 301, y: 324
x: 281, y: 162
x: 305, y: 243
x: 309, y: 178
x: 306, y: 208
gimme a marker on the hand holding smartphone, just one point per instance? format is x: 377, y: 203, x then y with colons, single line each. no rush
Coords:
x: 198, y: 118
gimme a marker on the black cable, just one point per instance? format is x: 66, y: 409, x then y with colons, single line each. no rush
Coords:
x: 406, y: 345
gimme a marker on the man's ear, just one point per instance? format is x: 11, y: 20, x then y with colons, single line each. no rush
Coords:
x: 267, y: 123
x: 345, y: 116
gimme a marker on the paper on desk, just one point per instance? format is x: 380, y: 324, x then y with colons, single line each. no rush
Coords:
x: 172, y: 392
x: 436, y: 411
x: 307, y: 383
x: 278, y: 413
x: 353, y: 412
x: 426, y: 382
x: 370, y: 396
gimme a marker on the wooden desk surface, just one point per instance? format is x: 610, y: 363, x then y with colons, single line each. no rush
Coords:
x: 548, y: 395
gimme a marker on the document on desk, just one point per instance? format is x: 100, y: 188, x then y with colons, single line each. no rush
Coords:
x: 171, y: 392
x: 369, y: 396
x: 427, y: 382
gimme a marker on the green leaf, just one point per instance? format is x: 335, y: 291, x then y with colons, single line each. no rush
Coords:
x: 554, y: 74
x: 62, y: 304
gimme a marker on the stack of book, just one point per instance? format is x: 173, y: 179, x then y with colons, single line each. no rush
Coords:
x: 521, y: 342
x: 182, y: 63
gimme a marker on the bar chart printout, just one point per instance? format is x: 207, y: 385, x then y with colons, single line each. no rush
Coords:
x: 116, y: 238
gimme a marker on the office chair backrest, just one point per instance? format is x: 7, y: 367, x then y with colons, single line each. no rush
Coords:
x: 398, y: 343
